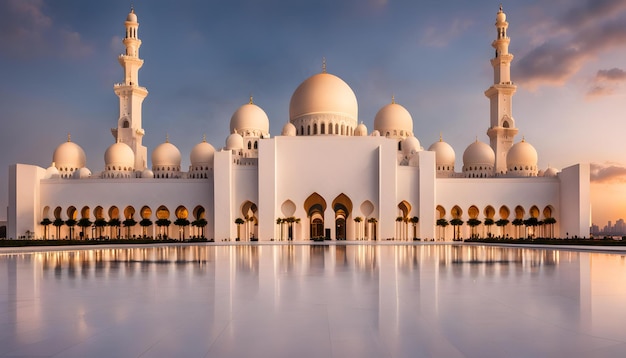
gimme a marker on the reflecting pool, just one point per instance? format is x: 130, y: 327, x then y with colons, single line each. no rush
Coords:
x: 312, y: 301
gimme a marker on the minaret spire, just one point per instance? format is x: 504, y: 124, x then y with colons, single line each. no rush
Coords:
x: 131, y: 95
x: 502, y: 128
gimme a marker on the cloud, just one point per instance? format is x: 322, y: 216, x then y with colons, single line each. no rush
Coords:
x: 608, y: 173
x: 27, y: 32
x: 606, y: 82
x: 433, y: 36
x: 579, y: 36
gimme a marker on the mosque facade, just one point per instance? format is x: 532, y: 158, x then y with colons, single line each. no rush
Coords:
x: 295, y: 186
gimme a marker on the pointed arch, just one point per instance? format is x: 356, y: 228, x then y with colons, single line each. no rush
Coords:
x: 181, y: 212
x: 405, y: 209
x: 58, y: 212
x: 199, y: 212
x: 288, y: 208
x: 519, y: 212
x: 441, y: 212
x: 342, y: 206
x: 98, y: 212
x: 473, y: 212
x: 145, y: 212
x: 129, y: 212
x: 46, y: 212
x: 367, y: 208
x: 72, y: 213
x: 315, y: 206
x: 548, y: 212
x: 489, y: 212
x: 534, y: 212
x: 504, y: 212
x: 163, y: 212
x: 456, y: 212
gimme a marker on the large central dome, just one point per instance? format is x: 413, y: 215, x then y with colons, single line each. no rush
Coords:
x: 320, y: 96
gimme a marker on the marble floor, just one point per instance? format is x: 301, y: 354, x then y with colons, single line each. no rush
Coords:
x: 312, y: 301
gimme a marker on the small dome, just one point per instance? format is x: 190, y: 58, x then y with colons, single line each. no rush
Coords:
x: 289, y: 130
x: 147, y: 173
x: 361, y: 130
x: 323, y: 93
x: 550, y: 172
x: 69, y: 155
x: 394, y: 120
x: 81, y: 173
x: 375, y: 133
x: 119, y: 155
x: 410, y: 146
x: 202, y: 154
x: 132, y: 17
x: 501, y: 16
x: 521, y: 155
x: 166, y: 154
x: 234, y: 141
x: 478, y: 153
x: 444, y: 153
x: 250, y: 117
x: 51, y: 172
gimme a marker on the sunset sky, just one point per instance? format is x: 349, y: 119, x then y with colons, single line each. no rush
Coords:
x: 203, y: 59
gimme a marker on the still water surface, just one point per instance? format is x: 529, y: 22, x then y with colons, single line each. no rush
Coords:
x: 313, y: 301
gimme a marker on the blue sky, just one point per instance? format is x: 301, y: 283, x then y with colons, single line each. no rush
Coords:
x: 203, y: 59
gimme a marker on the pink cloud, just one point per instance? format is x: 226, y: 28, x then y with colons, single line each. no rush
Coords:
x: 608, y: 173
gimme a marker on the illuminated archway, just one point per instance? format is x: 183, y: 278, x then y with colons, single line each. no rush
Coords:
x: 315, y: 206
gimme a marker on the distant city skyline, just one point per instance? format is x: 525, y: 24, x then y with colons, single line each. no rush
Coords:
x: 60, y: 62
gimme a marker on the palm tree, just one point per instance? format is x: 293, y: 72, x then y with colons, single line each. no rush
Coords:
x: 489, y: 223
x: 45, y: 222
x: 531, y: 222
x: 399, y: 227
x: 373, y: 222
x: 161, y: 223
x: 145, y: 223
x: 239, y: 222
x: 58, y: 222
x: 358, y: 221
x: 129, y: 223
x: 518, y: 222
x: 551, y: 222
x: 414, y: 221
x: 456, y: 222
x: 200, y: 223
x: 279, y: 222
x: 442, y: 223
x: 71, y: 223
x: 502, y: 223
x: 290, y: 220
x: 181, y: 223
x: 473, y: 223
x: 83, y: 223
x: 115, y: 223
x: 100, y: 223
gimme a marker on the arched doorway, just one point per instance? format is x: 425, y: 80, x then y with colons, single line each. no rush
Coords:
x: 342, y: 206
x: 402, y: 220
x: 315, y: 206
x: 249, y: 211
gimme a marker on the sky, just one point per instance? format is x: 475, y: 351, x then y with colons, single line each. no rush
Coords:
x: 203, y: 59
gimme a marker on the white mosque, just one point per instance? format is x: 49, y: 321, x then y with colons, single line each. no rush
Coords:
x: 294, y: 186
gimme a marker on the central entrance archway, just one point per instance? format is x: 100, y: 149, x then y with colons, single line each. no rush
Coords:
x: 342, y: 205
x: 315, y: 206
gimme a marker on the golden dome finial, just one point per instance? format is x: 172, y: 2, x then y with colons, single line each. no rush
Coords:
x: 204, y: 138
x: 251, y: 99
x: 69, y: 137
x: 523, y: 138
x: 476, y: 139
x: 393, y: 99
x: 132, y: 8
x: 500, y: 7
x: 323, y: 64
x: 440, y: 137
x: 167, y: 138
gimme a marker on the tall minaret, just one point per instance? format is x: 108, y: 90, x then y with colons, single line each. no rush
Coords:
x: 502, y: 129
x: 131, y: 95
